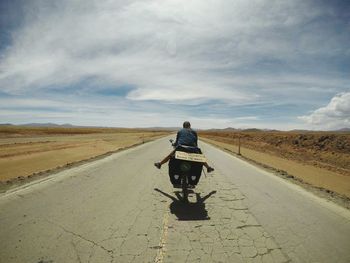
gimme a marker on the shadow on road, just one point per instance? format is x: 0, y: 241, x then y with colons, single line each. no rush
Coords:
x: 187, y: 210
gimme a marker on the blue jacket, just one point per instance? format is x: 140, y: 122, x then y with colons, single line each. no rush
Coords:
x: 186, y: 137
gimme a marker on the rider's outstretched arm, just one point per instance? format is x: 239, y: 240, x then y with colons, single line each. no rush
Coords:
x: 177, y: 139
x: 195, y: 134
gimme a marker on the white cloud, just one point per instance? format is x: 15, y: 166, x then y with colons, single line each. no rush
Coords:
x: 155, y: 45
x: 172, y: 51
x: 333, y: 116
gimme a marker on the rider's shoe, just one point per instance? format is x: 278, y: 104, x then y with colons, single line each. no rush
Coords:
x: 158, y: 165
x: 210, y: 169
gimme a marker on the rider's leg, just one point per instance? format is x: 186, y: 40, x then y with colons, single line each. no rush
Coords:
x: 166, y: 159
x: 209, y: 169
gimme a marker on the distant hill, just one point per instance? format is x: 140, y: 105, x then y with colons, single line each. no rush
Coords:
x: 231, y: 129
x: 344, y: 130
x: 306, y: 131
x: 228, y: 129
x: 66, y: 125
x: 253, y: 130
x: 162, y: 128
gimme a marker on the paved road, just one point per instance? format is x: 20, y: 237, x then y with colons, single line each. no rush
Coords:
x: 122, y: 209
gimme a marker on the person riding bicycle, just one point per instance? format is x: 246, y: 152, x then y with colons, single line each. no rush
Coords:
x: 185, y: 136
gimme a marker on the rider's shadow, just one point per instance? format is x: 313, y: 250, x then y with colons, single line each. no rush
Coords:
x: 187, y: 210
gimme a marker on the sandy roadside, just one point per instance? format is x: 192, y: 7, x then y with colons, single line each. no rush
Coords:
x: 328, y: 182
x: 25, y: 158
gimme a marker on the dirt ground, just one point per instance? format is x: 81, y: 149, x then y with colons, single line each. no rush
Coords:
x: 26, y: 151
x: 321, y: 159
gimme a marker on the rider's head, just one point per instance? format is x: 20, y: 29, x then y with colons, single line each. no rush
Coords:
x: 187, y: 124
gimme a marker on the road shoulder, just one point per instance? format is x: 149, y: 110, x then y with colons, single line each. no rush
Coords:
x: 260, y: 160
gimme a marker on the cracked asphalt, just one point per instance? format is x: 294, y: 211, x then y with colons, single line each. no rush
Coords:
x: 123, y: 209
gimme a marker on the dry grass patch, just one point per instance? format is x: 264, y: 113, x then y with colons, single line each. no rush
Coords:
x: 321, y: 159
x: 26, y: 151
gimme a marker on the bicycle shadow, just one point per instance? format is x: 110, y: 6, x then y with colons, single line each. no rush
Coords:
x: 187, y: 210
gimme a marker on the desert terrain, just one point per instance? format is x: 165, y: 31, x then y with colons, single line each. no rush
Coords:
x: 26, y: 152
x: 321, y: 159
x: 123, y: 209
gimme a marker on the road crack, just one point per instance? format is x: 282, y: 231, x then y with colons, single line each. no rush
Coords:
x: 245, y: 226
x: 110, y: 252
x: 76, y: 252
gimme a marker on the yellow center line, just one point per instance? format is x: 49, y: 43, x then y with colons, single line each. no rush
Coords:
x: 163, y: 238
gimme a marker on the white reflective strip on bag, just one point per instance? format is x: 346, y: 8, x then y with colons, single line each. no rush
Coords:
x: 193, y: 157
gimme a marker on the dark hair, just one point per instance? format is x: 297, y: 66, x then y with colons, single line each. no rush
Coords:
x: 186, y: 124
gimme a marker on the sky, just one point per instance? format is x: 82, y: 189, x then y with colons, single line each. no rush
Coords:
x: 260, y: 63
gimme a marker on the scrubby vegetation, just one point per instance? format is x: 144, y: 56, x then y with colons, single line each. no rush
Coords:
x: 330, y: 150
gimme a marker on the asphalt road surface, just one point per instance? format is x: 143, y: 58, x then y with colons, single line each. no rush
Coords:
x: 123, y: 209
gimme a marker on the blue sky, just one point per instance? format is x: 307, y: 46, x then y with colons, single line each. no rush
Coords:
x: 265, y: 64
